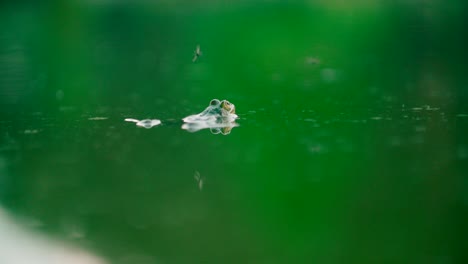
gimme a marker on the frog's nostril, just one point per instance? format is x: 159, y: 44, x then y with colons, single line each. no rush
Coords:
x: 215, y: 102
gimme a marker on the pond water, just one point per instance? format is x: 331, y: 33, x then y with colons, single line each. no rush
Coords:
x: 350, y: 146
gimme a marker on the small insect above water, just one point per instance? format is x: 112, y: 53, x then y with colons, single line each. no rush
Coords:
x: 199, y: 179
x: 197, y: 53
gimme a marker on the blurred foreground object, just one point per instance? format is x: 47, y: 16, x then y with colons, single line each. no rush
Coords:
x: 21, y: 246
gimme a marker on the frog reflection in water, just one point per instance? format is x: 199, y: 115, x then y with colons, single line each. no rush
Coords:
x: 219, y: 116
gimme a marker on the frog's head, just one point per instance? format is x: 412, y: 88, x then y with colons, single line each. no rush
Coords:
x: 228, y: 107
x: 217, y: 111
x: 218, y: 116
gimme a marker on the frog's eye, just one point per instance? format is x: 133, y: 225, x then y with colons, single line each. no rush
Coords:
x: 215, y: 102
x: 228, y: 105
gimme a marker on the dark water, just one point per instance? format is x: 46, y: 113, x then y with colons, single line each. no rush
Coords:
x: 351, y: 145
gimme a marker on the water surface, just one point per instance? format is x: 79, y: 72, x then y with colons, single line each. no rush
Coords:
x: 350, y: 145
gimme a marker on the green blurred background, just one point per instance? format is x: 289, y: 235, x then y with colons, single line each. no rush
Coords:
x: 351, y: 147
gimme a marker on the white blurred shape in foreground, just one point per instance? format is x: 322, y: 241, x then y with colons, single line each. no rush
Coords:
x: 146, y: 123
x: 21, y: 246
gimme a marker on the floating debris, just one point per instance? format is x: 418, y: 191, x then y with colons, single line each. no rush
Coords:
x: 376, y: 118
x: 146, y: 123
x: 462, y: 115
x: 97, y: 118
x: 197, y: 53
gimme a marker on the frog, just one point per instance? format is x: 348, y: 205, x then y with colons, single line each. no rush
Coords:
x: 217, y: 112
x: 219, y: 117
